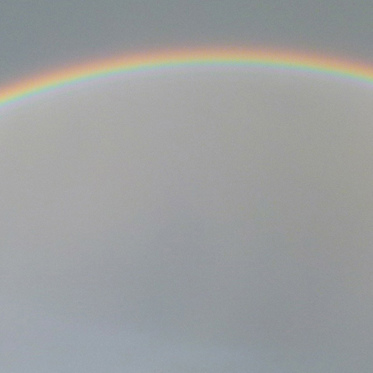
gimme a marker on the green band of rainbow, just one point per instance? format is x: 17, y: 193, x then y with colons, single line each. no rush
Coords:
x: 185, y: 58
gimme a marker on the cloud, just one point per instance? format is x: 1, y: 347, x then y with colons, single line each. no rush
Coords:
x: 225, y: 214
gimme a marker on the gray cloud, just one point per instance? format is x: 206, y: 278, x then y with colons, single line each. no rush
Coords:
x: 200, y: 222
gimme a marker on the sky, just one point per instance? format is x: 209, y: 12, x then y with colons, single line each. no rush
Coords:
x: 188, y: 221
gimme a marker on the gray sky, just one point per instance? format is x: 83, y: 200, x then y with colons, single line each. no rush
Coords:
x: 42, y: 34
x: 186, y: 222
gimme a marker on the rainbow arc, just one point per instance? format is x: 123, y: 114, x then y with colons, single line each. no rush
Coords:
x: 185, y: 59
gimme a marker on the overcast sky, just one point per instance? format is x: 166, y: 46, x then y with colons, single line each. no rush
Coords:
x: 216, y: 221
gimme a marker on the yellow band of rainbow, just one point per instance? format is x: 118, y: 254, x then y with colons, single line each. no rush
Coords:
x: 185, y: 58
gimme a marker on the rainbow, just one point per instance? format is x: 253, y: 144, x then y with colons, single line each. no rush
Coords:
x: 185, y: 59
